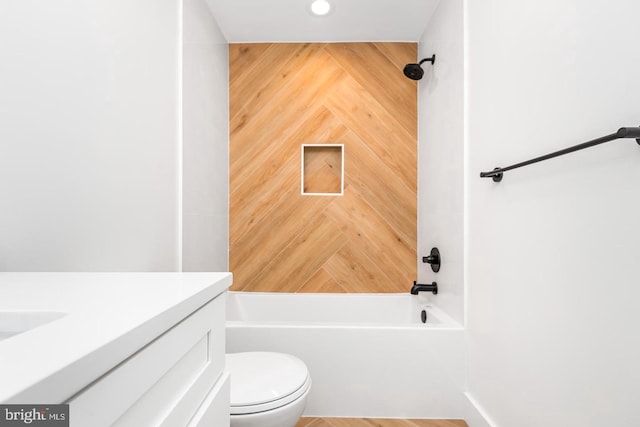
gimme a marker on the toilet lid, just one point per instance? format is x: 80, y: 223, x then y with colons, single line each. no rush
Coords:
x: 261, y: 381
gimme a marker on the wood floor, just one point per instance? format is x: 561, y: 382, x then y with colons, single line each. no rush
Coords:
x: 369, y: 422
x: 283, y: 95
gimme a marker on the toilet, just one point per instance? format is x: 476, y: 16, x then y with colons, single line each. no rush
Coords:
x: 267, y: 389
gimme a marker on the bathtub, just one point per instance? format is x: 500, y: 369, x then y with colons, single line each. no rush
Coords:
x: 369, y: 355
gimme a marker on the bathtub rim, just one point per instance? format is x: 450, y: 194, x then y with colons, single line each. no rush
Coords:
x: 446, y: 321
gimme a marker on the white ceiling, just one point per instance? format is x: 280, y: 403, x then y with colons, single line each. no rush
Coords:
x: 245, y: 21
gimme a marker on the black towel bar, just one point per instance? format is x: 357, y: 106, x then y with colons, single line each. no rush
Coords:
x: 626, y: 132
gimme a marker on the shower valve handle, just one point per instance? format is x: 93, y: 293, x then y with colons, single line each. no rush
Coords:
x: 433, y: 259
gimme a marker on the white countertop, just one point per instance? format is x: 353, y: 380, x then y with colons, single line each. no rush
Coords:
x: 109, y: 317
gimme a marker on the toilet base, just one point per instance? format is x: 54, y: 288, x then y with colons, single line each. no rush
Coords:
x: 285, y: 416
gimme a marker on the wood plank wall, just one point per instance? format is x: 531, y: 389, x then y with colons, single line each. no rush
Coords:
x: 283, y: 95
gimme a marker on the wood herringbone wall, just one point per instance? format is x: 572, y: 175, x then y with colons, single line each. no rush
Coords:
x: 285, y: 95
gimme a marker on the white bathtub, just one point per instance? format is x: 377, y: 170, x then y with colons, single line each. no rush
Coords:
x: 353, y: 310
x: 369, y: 355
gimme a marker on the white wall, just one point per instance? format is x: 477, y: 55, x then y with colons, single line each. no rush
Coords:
x: 440, y: 155
x: 89, y: 135
x: 205, y: 108
x: 552, y: 275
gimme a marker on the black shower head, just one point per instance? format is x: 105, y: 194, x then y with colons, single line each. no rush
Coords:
x: 415, y: 71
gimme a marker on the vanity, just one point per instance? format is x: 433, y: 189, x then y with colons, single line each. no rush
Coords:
x: 122, y: 349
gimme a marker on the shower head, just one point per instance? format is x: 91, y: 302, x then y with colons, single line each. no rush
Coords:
x: 415, y: 71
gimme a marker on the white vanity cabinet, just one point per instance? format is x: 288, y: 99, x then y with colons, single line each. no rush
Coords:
x: 178, y: 379
x: 124, y: 349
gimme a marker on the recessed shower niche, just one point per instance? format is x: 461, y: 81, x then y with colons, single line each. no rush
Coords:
x: 322, y: 167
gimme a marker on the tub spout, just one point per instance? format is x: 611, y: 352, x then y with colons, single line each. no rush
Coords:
x: 417, y: 287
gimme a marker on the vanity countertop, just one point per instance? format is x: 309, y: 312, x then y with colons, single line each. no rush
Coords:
x: 109, y: 316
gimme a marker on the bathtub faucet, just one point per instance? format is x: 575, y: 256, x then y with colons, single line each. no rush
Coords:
x: 417, y: 287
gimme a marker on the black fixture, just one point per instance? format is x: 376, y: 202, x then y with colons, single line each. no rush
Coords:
x: 423, y: 316
x: 627, y: 132
x: 415, y: 71
x: 433, y: 288
x: 433, y: 259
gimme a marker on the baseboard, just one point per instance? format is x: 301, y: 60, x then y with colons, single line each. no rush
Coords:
x: 476, y: 416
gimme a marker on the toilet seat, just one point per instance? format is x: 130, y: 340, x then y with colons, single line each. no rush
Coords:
x: 262, y: 381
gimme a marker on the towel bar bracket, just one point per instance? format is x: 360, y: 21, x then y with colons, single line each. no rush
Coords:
x: 497, y: 177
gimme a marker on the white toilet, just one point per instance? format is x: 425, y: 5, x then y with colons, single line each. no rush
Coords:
x: 267, y: 389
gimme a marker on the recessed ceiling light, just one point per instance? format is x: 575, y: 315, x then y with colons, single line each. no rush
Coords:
x: 320, y: 7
